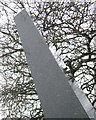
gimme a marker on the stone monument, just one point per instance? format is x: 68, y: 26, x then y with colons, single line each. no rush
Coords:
x: 57, y: 97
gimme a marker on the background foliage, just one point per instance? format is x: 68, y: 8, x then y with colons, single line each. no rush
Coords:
x: 69, y: 28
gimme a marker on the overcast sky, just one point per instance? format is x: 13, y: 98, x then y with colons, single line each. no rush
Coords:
x: 1, y: 77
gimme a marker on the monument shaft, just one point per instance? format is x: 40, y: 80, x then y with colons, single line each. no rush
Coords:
x: 57, y: 97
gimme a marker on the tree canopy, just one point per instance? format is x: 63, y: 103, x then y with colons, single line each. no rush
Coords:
x: 69, y: 27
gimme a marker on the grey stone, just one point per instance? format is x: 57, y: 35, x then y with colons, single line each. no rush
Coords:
x: 84, y: 100
x: 57, y: 97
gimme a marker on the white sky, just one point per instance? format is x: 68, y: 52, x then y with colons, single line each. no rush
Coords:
x: 53, y: 50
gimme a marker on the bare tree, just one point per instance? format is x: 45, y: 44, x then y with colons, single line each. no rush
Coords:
x: 69, y: 27
x: 18, y: 94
